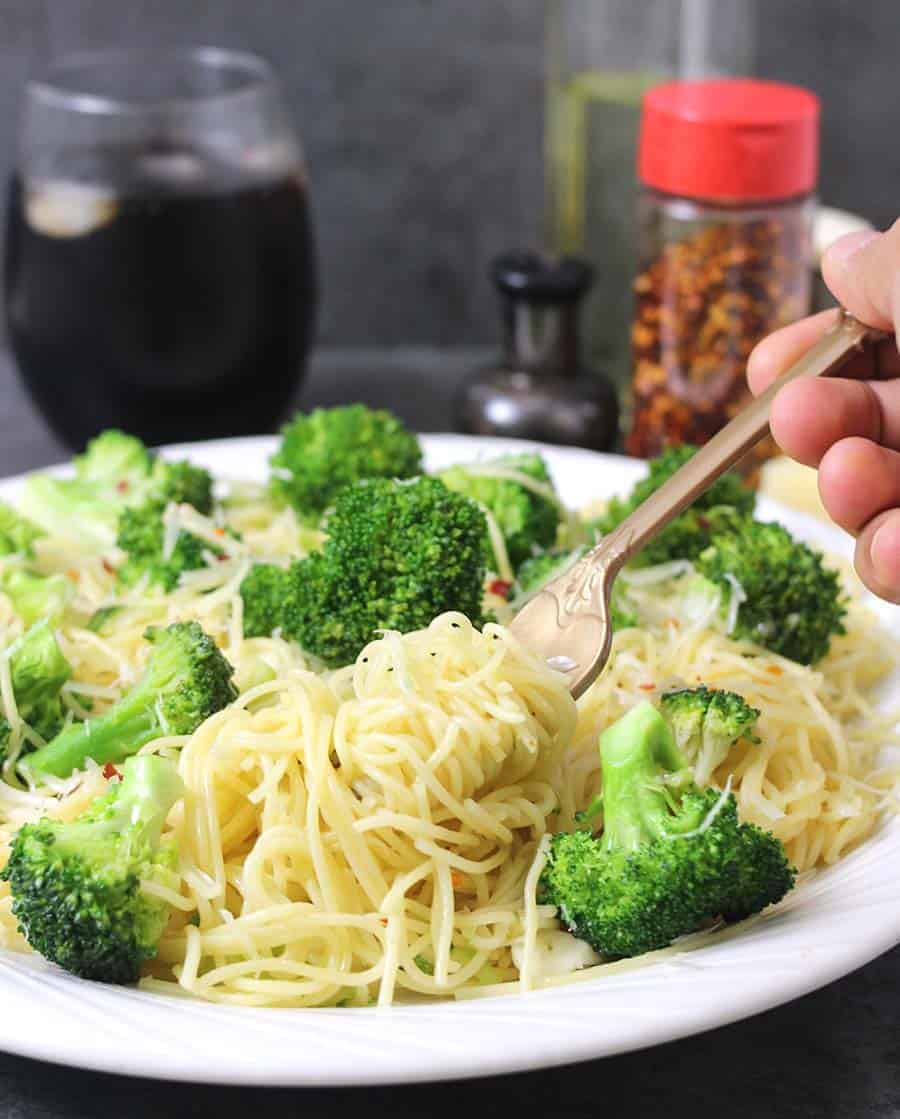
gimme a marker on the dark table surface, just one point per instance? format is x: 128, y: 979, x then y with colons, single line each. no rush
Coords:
x: 833, y: 1053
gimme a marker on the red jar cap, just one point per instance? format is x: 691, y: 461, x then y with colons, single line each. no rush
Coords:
x: 729, y: 139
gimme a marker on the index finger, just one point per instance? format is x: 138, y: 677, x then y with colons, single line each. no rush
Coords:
x: 777, y: 353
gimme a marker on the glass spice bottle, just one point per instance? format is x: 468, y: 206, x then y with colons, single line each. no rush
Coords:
x: 539, y: 389
x: 727, y: 170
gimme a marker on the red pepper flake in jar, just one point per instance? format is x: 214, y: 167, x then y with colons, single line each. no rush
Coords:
x: 727, y: 167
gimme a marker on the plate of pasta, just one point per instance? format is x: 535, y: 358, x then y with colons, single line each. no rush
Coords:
x: 284, y: 802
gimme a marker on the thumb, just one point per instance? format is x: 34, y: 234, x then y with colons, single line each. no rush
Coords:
x: 862, y: 271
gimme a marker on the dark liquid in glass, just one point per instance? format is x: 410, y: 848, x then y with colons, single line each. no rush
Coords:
x: 174, y: 309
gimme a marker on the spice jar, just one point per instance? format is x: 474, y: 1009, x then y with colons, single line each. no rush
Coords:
x: 727, y: 170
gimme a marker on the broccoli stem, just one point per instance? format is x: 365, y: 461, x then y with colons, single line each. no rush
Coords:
x: 633, y: 752
x: 112, y: 737
x: 150, y: 787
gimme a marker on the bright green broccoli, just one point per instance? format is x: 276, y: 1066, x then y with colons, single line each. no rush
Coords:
x: 726, y: 490
x: 689, y: 534
x: 789, y: 601
x: 84, y: 513
x: 142, y: 537
x: 77, y: 887
x: 38, y: 669
x: 117, y: 460
x: 17, y: 533
x: 180, y: 482
x: 325, y: 450
x: 113, y: 455
x: 706, y: 723
x: 397, y: 555
x: 264, y: 591
x: 517, y: 491
x: 540, y: 569
x: 85, y: 507
x: 186, y: 680
x: 543, y: 567
x: 116, y: 472
x: 35, y: 597
x: 671, y: 855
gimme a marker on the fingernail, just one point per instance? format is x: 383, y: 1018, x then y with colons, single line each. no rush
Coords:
x: 840, y: 252
x: 882, y: 551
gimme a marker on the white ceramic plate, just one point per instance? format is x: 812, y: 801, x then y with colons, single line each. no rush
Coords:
x: 842, y: 919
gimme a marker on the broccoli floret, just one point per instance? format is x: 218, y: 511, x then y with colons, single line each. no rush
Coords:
x: 115, y: 456
x: 186, y: 680
x: 726, y: 490
x: 671, y: 855
x: 330, y: 448
x: 77, y: 887
x: 17, y: 533
x: 706, y: 723
x: 142, y: 537
x: 85, y: 507
x: 83, y: 512
x: 538, y: 570
x: 790, y: 602
x: 38, y: 669
x: 264, y: 591
x: 397, y: 555
x: 182, y: 483
x: 35, y: 596
x: 116, y: 472
x: 517, y: 491
x: 543, y: 567
x: 687, y: 535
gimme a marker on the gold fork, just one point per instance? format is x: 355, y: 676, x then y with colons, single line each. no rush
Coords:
x: 568, y: 621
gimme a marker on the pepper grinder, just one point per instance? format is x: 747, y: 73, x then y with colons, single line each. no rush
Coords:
x: 540, y: 390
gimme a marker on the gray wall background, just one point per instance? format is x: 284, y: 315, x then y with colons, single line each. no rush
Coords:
x: 421, y: 121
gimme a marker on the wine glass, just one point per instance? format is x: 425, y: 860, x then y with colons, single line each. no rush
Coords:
x: 160, y: 269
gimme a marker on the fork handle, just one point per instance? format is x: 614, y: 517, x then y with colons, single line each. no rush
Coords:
x: 825, y: 358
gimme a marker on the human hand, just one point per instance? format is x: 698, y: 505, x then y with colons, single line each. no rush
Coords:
x: 849, y: 429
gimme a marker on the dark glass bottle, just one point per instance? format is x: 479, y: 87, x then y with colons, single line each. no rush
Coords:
x: 540, y: 390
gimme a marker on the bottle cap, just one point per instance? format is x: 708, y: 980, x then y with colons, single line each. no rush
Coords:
x: 729, y: 140
x: 537, y: 279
